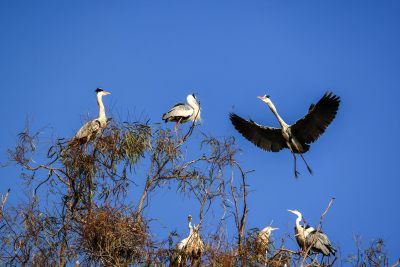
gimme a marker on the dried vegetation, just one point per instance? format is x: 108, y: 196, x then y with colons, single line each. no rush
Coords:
x: 85, y: 203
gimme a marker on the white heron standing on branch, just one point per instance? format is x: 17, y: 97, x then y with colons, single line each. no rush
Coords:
x: 92, y: 128
x: 297, y: 137
x: 309, y: 238
x: 181, y: 113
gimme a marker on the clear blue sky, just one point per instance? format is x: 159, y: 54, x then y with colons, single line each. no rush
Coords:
x: 151, y: 54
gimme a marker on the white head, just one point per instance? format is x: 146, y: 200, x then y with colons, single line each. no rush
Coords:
x: 298, y: 213
x: 101, y: 92
x: 265, y: 98
x: 189, y: 218
x: 267, y: 230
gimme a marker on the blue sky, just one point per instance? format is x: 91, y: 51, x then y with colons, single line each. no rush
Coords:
x: 151, y: 54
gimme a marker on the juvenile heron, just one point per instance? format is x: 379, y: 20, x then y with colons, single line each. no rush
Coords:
x: 192, y: 246
x: 297, y: 137
x: 263, y: 242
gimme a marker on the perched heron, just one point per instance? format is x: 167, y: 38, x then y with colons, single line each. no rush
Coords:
x: 92, y: 128
x: 192, y: 246
x: 263, y: 242
x: 181, y: 113
x: 297, y: 137
x: 308, y: 237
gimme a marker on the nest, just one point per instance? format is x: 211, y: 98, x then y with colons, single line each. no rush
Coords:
x: 221, y: 258
x: 110, y: 237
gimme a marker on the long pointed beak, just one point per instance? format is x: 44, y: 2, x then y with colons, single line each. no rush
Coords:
x: 273, y: 229
x: 106, y: 93
x: 292, y: 211
x: 261, y: 97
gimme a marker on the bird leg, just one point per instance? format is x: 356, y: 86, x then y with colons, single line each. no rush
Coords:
x: 308, y: 167
x: 177, y: 130
x: 177, y: 124
x: 296, y: 173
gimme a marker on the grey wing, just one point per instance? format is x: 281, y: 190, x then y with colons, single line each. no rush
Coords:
x: 321, y: 242
x: 267, y: 138
x: 319, y: 116
x: 88, y: 129
x: 179, y: 110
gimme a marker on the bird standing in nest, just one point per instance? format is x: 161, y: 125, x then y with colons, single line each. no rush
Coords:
x: 189, y: 247
x: 263, y: 243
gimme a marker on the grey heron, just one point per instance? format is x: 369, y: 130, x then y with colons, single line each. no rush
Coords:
x: 181, y: 113
x: 92, y: 128
x: 191, y: 246
x: 297, y: 137
x: 308, y: 237
x: 263, y: 242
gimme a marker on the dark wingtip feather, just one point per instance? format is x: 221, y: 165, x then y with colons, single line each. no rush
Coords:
x: 237, y: 121
x: 234, y: 118
x: 232, y: 115
x: 331, y: 96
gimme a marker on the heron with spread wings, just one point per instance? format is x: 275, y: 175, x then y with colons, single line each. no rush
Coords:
x: 297, y: 137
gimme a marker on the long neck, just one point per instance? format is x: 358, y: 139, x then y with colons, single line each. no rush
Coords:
x: 102, y: 111
x: 273, y: 109
x: 266, y: 233
x: 193, y: 103
x: 196, y: 113
x: 196, y: 109
x: 298, y: 220
x: 190, y: 228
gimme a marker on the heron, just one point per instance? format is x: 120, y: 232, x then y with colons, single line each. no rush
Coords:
x: 263, y: 242
x: 181, y: 113
x: 297, y: 137
x: 309, y: 237
x: 94, y: 127
x: 191, y: 246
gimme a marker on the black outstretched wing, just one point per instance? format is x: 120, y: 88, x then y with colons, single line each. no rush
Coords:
x: 267, y: 138
x: 319, y: 116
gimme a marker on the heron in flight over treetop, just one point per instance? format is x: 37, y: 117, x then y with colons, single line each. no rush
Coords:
x: 296, y: 137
